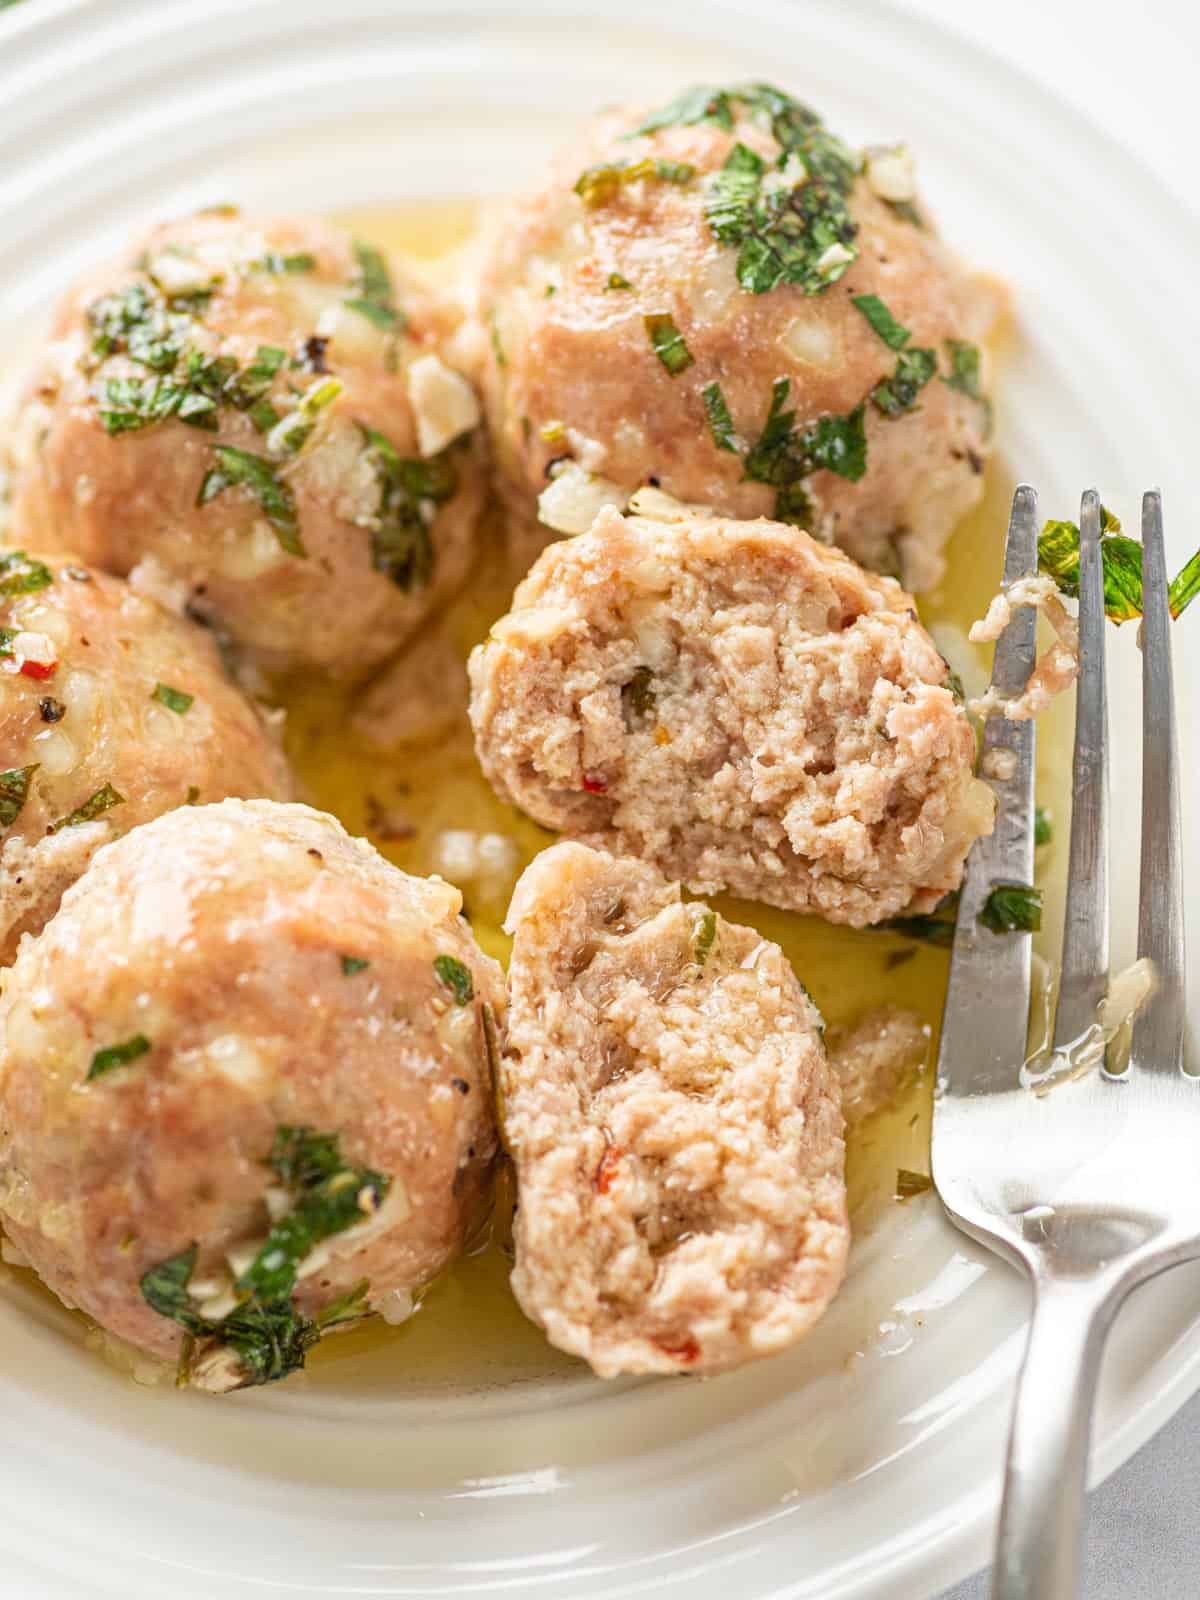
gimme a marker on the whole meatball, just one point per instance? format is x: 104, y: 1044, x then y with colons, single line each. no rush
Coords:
x: 717, y: 297
x: 740, y: 705
x: 244, y: 1088
x: 112, y: 711
x: 257, y: 413
x: 676, y: 1128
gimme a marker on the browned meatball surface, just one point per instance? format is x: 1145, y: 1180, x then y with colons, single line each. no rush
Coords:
x: 676, y: 1128
x: 740, y: 705
x: 258, y: 414
x: 716, y: 296
x: 244, y: 1087
x: 112, y: 711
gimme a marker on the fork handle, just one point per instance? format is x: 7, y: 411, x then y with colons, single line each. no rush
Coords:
x: 1040, y: 1537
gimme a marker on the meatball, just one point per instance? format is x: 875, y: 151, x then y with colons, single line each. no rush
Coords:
x: 717, y: 297
x: 738, y: 704
x: 112, y: 710
x: 675, y: 1125
x: 260, y: 414
x: 245, y: 1091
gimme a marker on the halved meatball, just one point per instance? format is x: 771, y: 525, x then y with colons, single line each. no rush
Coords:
x: 112, y: 711
x: 718, y: 297
x: 244, y: 1088
x: 262, y: 415
x: 676, y: 1128
x: 740, y: 705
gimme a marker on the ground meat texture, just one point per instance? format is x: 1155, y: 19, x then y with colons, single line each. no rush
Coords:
x: 112, y: 711
x: 267, y: 977
x: 874, y: 1056
x: 571, y: 377
x: 356, y: 519
x: 674, y: 1122
x: 742, y: 706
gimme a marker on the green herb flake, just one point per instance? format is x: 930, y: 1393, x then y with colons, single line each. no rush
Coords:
x: 616, y: 281
x: 165, y: 1290
x: 668, y: 343
x: 909, y: 1183
x: 1185, y: 586
x: 279, y: 265
x: 640, y: 692
x: 410, y: 492
x: 373, y: 296
x: 1012, y: 908
x: 906, y: 211
x: 720, y: 423
x: 352, y: 965
x: 935, y: 927
x: 456, y: 977
x: 839, y: 444
x: 893, y: 333
x: 702, y: 103
x: 129, y: 404
x: 174, y: 699
x: 597, y: 186
x: 292, y: 432
x: 895, y: 395
x: 21, y: 574
x: 1121, y: 560
x: 964, y: 367
x: 240, y: 469
x: 118, y: 1055
x: 14, y: 791
x: 1043, y: 826
x: 104, y: 799
x: 704, y: 937
x: 784, y: 457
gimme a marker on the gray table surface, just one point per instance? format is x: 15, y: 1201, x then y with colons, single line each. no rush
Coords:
x: 1143, y: 1525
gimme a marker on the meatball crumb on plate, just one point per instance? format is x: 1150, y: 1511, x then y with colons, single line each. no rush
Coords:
x: 740, y: 705
x: 245, y: 1092
x: 112, y: 711
x: 717, y: 297
x: 675, y: 1125
x: 263, y: 415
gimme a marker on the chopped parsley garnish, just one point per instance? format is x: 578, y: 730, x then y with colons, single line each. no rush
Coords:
x: 783, y: 457
x: 1012, y: 908
x: 266, y: 1332
x: 598, y: 185
x: 893, y: 333
x: 410, y: 491
x: 720, y: 423
x: 704, y: 938
x: 278, y: 265
x: 702, y: 103
x: 174, y: 699
x: 127, y: 404
x: 935, y: 927
x: 1121, y: 560
x: 104, y: 799
x: 373, y: 293
x: 353, y: 964
x: 906, y: 211
x: 14, y: 791
x: 897, y: 394
x: 456, y: 977
x: 1043, y: 826
x: 964, y: 367
x: 118, y: 1055
x: 839, y: 444
x: 909, y: 1183
x: 616, y: 281
x: 668, y: 343
x: 240, y: 469
x: 21, y: 574
x: 291, y: 432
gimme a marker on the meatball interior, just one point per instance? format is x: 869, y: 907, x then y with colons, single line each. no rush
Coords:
x: 740, y: 705
x: 718, y: 297
x: 244, y: 1088
x: 259, y: 414
x: 676, y: 1128
x: 112, y: 710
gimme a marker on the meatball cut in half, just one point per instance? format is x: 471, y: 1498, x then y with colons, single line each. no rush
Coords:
x: 675, y: 1125
x: 717, y: 296
x: 244, y: 1088
x: 262, y: 415
x: 112, y: 711
x: 738, y: 704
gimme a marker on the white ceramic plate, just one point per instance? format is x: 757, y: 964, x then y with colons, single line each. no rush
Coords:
x: 866, y: 1463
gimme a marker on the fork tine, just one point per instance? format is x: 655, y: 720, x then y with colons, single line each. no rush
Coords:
x: 987, y: 1001
x: 1084, y: 980
x: 1159, y: 1029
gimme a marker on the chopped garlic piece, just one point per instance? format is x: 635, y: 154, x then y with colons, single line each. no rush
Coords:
x: 1056, y: 670
x: 444, y: 404
x: 656, y: 506
x: 892, y: 173
x: 575, y: 498
x: 836, y: 255
x: 36, y: 647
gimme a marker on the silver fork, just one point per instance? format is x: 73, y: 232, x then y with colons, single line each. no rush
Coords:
x: 1091, y: 1186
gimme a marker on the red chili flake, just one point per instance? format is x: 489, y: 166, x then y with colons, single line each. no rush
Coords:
x: 686, y: 1350
x: 602, y: 1182
x: 595, y: 783
x: 38, y: 669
